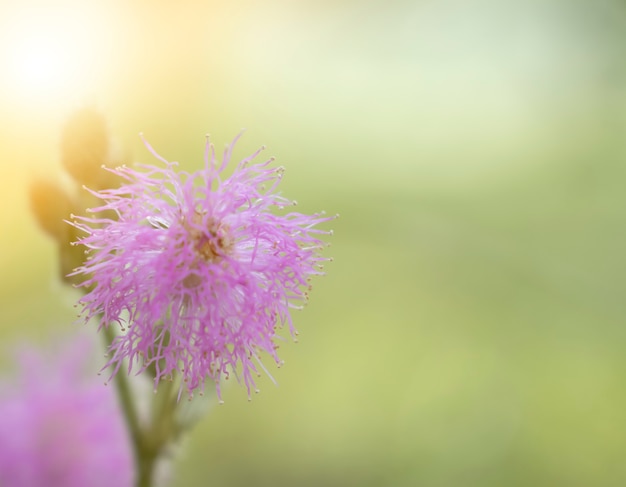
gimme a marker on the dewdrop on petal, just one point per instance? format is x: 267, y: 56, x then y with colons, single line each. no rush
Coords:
x: 199, y: 269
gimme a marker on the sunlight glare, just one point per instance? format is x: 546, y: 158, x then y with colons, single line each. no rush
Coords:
x: 53, y: 56
x: 41, y: 65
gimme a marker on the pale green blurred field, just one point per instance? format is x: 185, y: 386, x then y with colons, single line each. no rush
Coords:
x: 471, y: 330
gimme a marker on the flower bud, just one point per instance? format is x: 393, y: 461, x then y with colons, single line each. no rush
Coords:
x: 84, y: 146
x: 51, y: 206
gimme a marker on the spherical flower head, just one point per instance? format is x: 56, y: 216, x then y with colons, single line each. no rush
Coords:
x: 199, y: 270
x: 59, y: 427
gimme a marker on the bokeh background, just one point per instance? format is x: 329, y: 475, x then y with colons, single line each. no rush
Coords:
x: 471, y: 329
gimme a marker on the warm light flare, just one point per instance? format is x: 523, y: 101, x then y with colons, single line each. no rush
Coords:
x: 42, y: 65
x: 52, y: 56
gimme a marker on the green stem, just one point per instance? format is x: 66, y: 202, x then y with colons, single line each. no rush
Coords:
x: 161, y: 431
x: 126, y: 400
x: 163, y: 407
x: 145, y: 467
x: 147, y: 442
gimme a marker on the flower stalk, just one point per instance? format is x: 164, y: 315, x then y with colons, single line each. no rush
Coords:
x: 148, y: 442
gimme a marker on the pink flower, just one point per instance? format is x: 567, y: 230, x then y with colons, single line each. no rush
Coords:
x: 60, y: 429
x: 197, y: 269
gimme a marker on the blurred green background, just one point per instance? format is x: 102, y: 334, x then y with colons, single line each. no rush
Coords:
x: 470, y: 331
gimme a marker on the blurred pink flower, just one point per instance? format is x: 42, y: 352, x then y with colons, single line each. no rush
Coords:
x: 197, y: 269
x: 59, y: 427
